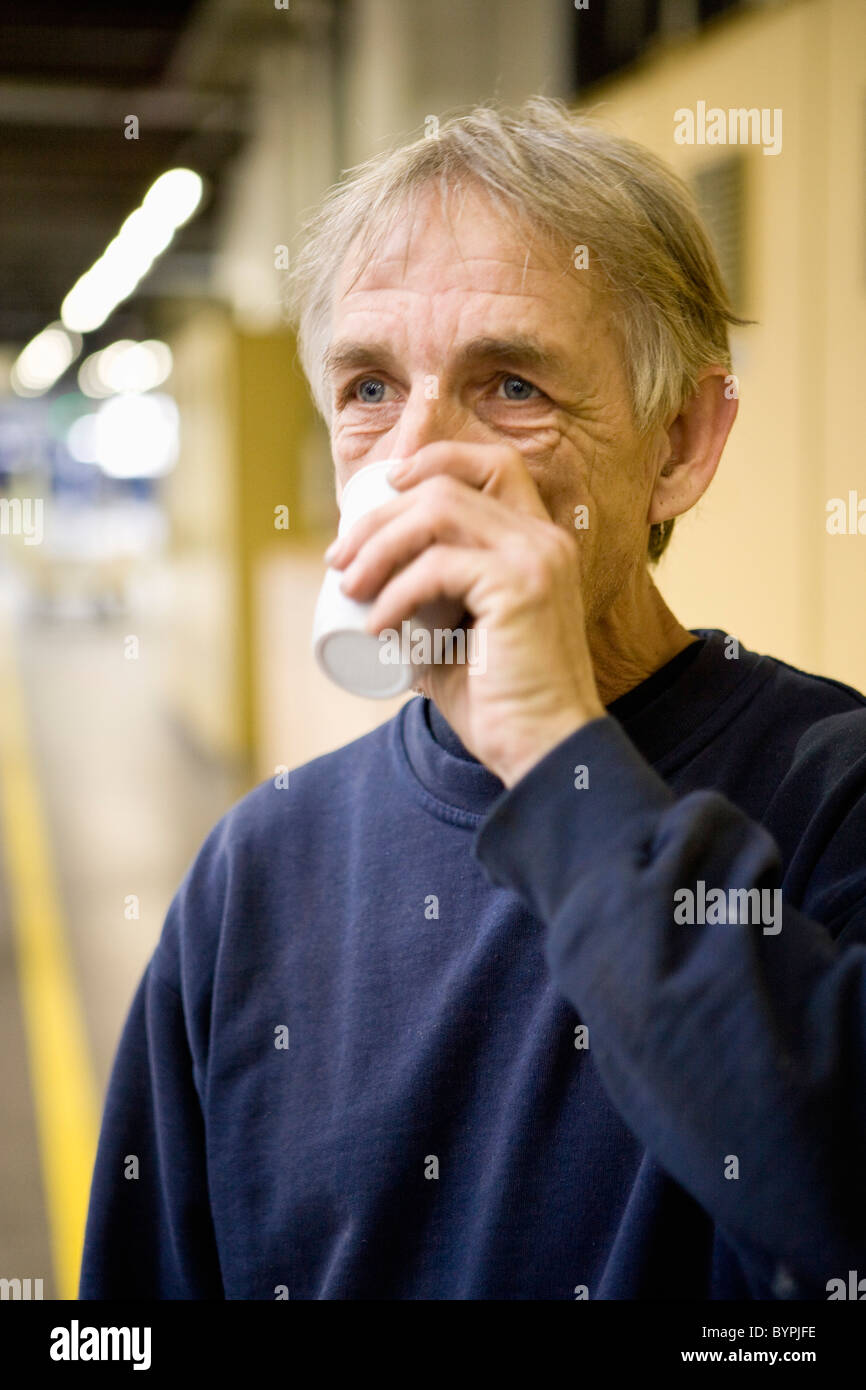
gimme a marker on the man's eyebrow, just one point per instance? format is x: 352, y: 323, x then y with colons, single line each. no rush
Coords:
x: 343, y: 356
x: 519, y: 350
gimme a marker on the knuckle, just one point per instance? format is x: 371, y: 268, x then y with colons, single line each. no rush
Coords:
x: 433, y: 450
x: 509, y: 456
x: 534, y: 574
x: 536, y: 585
x: 358, y: 531
x: 503, y: 459
x: 440, y: 491
x: 429, y: 563
x: 541, y: 564
x: 564, y: 546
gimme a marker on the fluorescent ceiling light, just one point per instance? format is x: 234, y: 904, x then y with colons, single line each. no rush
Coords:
x: 146, y: 233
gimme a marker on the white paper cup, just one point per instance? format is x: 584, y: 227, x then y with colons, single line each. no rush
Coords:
x: 351, y: 657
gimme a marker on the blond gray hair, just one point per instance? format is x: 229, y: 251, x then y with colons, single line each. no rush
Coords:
x: 578, y: 184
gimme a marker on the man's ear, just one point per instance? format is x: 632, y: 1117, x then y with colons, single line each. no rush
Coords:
x: 695, y: 439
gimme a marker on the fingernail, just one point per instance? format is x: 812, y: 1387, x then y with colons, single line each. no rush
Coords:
x: 398, y: 470
x: 332, y: 550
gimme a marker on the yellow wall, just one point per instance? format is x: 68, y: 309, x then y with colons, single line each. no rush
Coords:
x: 245, y: 416
x: 754, y: 557
x: 204, y: 690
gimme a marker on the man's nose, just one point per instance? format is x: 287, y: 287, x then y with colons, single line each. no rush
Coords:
x: 427, y: 417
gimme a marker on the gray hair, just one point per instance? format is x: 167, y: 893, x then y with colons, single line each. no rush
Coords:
x: 576, y: 183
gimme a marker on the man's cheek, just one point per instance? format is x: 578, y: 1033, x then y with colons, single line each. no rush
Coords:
x: 562, y: 479
x: 351, y: 442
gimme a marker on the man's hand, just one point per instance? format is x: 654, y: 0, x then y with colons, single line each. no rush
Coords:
x: 470, y: 525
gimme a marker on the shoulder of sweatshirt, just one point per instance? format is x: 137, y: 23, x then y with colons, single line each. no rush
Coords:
x: 818, y: 693
x: 781, y: 721
x: 817, y: 809
x: 812, y: 728
x: 262, y: 842
x: 331, y: 781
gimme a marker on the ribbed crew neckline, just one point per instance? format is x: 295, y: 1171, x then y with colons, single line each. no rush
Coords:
x: 667, y: 716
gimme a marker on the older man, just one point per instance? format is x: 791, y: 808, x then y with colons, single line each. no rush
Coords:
x: 553, y: 986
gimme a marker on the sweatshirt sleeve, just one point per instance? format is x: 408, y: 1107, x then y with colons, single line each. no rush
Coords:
x: 149, y: 1232
x: 735, y: 1051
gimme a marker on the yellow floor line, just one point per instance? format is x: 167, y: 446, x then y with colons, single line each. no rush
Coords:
x: 64, y: 1090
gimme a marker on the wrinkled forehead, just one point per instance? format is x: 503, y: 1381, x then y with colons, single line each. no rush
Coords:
x: 459, y: 233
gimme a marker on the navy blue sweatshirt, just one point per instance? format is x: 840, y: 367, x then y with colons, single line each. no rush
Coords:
x: 410, y: 1035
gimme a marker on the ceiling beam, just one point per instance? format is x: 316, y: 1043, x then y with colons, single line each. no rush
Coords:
x: 42, y: 104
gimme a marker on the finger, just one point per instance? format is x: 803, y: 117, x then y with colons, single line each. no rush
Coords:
x: 442, y: 571
x: 497, y: 469
x: 341, y: 551
x: 442, y: 511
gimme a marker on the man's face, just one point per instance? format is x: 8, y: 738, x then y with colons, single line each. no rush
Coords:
x: 459, y: 328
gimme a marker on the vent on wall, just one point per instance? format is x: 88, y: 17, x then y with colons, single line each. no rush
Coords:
x: 720, y: 191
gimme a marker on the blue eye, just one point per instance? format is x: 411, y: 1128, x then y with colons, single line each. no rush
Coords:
x: 516, y: 389
x: 370, y: 390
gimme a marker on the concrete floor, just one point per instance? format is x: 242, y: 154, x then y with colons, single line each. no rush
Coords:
x: 126, y: 801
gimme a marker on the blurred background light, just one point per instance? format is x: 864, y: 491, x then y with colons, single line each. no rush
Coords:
x: 44, y: 359
x: 128, y: 436
x: 81, y: 439
x: 132, y: 436
x: 125, y: 366
x: 89, y: 380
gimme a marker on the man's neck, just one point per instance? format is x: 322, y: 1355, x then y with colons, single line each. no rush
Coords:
x: 636, y: 636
